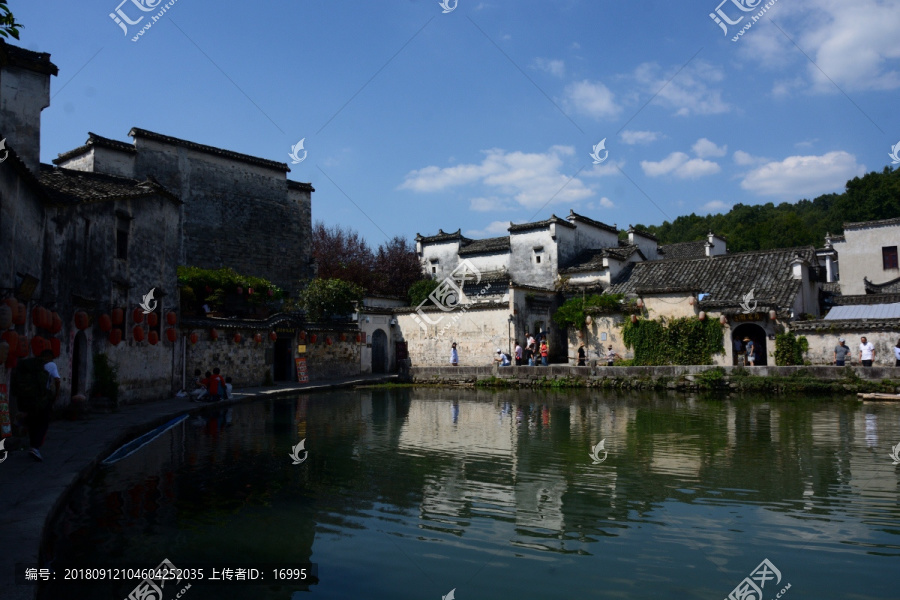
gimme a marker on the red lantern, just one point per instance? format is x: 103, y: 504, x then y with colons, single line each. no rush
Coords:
x: 723, y: 320
x: 153, y: 319
x: 312, y: 338
x: 271, y: 292
x: 249, y: 291
x: 4, y: 352
x: 634, y: 318
x: 55, y: 347
x: 118, y: 316
x: 240, y: 290
x: 213, y: 335
x: 194, y: 338
x: 343, y: 337
x: 11, y: 338
x: 302, y: 335
x: 81, y: 320
x: 273, y: 336
x: 115, y: 336
x: 138, y: 333
x: 702, y: 315
x: 237, y: 338
x: 639, y: 303
x: 257, y: 337
x: 171, y: 335
x: 55, y: 323
x: 105, y: 323
x: 358, y: 338
x: 137, y: 315
x: 22, y: 350
x: 12, y: 303
x: 153, y: 338
x: 772, y: 315
x: 37, y: 345
x: 171, y: 318
x: 327, y: 340
x: 21, y: 314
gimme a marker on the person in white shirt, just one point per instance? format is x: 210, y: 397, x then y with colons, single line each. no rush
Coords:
x: 518, y: 354
x: 502, y: 358
x: 454, y: 355
x: 866, y: 352
x: 897, y: 354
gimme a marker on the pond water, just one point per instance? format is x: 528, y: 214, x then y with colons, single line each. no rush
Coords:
x: 414, y: 493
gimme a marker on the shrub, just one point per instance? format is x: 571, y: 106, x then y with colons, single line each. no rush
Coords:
x: 789, y: 349
x: 419, y: 291
x: 106, y: 378
x: 684, y: 341
x: 327, y: 298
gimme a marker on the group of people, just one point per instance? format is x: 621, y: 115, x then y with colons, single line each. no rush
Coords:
x: 611, y: 356
x: 532, y: 354
x: 211, y: 388
x: 866, y: 353
x: 745, y: 351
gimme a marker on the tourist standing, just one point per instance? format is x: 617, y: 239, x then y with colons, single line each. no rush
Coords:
x: 866, y: 352
x: 40, y: 405
x: 610, y: 356
x: 750, y: 351
x: 454, y: 355
x: 545, y: 353
x: 529, y: 340
x: 897, y: 354
x: 739, y: 351
x: 840, y: 353
x: 518, y: 354
x: 581, y: 355
x: 528, y: 354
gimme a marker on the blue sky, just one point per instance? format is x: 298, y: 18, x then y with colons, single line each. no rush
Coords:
x: 415, y: 119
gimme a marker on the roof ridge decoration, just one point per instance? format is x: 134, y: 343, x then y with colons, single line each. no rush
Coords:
x: 877, y: 223
x: 254, y: 160
x: 642, y: 233
x: 574, y: 216
x: 553, y: 220
x: 16, y: 56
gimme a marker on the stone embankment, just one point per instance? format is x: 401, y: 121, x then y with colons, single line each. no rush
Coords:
x: 823, y: 379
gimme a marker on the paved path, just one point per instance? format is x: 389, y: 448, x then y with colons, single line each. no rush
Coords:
x: 32, y: 492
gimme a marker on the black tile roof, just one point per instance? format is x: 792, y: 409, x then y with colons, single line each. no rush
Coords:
x: 684, y: 250
x: 592, y: 260
x: 574, y: 216
x: 725, y: 278
x: 66, y: 186
x: 540, y: 224
x: 486, y: 246
x: 299, y: 185
x: 98, y: 141
x: 642, y: 233
x: 881, y: 223
x: 852, y: 299
x: 888, y: 287
x: 26, y: 59
x: 166, y: 139
x: 441, y: 237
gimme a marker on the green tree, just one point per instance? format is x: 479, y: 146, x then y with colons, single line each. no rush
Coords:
x: 8, y: 25
x: 420, y: 290
x: 327, y: 298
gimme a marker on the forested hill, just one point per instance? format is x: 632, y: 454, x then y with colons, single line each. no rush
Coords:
x: 869, y: 198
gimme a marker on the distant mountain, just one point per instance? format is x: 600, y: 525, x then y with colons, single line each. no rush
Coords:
x: 871, y: 197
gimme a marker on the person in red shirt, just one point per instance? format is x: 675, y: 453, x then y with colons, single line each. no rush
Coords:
x: 545, y: 353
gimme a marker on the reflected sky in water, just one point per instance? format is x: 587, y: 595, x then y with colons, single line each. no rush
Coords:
x: 412, y: 493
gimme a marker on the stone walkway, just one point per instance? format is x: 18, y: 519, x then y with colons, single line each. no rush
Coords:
x: 31, y: 492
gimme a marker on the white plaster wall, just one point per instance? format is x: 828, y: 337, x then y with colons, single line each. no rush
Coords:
x: 446, y: 255
x: 23, y: 95
x: 488, y: 262
x: 861, y: 257
x: 822, y: 344
x: 648, y: 247
x: 588, y: 237
x: 670, y: 306
x: 523, y: 268
x: 477, y: 332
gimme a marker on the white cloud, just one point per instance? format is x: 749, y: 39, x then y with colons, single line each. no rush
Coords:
x: 494, y: 229
x: 705, y: 148
x: 680, y: 165
x: 557, y: 68
x: 591, y: 98
x: 606, y: 202
x: 716, y: 206
x: 605, y: 169
x: 803, y: 176
x: 639, y: 137
x: 519, y: 179
x: 806, y: 143
x: 689, y: 92
x: 746, y: 159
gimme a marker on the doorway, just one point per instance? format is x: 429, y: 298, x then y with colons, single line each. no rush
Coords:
x: 79, y: 364
x: 759, y: 337
x: 284, y: 359
x: 379, y: 351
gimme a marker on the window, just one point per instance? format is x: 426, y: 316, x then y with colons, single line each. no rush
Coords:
x: 538, y: 253
x: 434, y: 266
x: 122, y: 226
x: 537, y: 258
x: 889, y: 257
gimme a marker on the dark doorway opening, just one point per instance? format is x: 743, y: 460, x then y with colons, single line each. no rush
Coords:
x: 79, y: 364
x: 759, y: 337
x: 379, y: 351
x: 284, y: 359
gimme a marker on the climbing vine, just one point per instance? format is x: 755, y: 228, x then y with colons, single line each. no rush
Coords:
x: 684, y: 341
x: 789, y: 349
x: 573, y: 312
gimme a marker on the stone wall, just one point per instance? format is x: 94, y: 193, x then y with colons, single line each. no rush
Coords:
x: 478, y: 332
x: 244, y: 362
x: 823, y: 337
x: 340, y: 359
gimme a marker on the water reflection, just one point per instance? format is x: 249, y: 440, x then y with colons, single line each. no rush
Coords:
x: 415, y: 492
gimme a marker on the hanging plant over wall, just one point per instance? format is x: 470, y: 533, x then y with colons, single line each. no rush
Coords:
x: 684, y: 341
x: 573, y: 312
x: 789, y: 349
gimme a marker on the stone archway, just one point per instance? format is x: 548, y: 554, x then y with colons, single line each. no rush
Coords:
x: 759, y: 337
